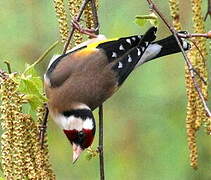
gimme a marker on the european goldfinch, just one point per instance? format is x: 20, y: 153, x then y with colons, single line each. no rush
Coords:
x: 79, y: 81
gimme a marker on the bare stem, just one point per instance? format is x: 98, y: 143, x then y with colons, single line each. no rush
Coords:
x: 8, y: 67
x: 205, y: 35
x: 43, y: 126
x: 42, y: 56
x: 100, y: 147
x: 45, y: 53
x: 208, y: 10
x: 188, y: 63
x: 78, y: 17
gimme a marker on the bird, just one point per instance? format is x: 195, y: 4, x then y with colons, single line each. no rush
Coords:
x: 79, y: 81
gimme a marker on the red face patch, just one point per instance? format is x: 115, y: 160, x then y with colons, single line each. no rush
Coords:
x: 83, y: 138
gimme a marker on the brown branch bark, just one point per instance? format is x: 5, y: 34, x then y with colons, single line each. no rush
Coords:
x: 100, y: 146
x: 188, y: 35
x: 43, y: 126
x: 208, y: 10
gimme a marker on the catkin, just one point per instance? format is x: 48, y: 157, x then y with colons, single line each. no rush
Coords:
x: 74, y: 7
x: 195, y: 109
x: 88, y: 16
x: 196, y: 114
x: 22, y: 156
x: 62, y: 19
x: 174, y: 9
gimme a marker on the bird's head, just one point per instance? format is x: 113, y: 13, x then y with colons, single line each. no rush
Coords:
x: 78, y: 125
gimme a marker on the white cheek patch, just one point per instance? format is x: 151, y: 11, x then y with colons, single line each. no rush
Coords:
x: 61, y: 121
x: 72, y: 122
x: 88, y: 124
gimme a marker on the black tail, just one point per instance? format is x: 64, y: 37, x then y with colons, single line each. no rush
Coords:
x: 169, y: 45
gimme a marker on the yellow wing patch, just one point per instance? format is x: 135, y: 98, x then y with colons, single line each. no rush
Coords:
x: 91, y: 48
x: 85, y: 51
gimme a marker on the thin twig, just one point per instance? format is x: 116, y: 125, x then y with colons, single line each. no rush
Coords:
x: 45, y: 119
x: 100, y: 147
x: 78, y: 17
x: 45, y: 53
x: 208, y: 10
x: 188, y: 63
x: 188, y: 35
x: 43, y: 126
x: 194, y: 43
x: 8, y: 67
x: 42, y: 56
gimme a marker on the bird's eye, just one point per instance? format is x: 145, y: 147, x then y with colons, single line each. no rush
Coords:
x: 81, y: 134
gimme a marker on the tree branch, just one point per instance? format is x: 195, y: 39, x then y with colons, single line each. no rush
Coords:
x: 100, y: 147
x: 43, y: 126
x: 8, y: 67
x: 208, y: 10
x: 188, y: 63
x: 188, y: 35
x: 78, y: 17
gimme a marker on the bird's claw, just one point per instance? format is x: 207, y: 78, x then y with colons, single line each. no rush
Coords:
x: 89, y: 32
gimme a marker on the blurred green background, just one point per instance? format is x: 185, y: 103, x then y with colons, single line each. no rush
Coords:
x: 145, y: 135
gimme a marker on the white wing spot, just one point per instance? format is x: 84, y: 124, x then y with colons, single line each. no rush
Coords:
x: 129, y: 58
x: 114, y: 55
x: 139, y: 52
x: 143, y: 49
x: 120, y: 65
x: 128, y: 41
x: 121, y: 47
x: 139, y: 36
x: 184, y: 44
x: 133, y: 38
x: 146, y: 43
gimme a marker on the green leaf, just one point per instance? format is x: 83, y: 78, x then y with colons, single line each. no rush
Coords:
x: 141, y: 20
x: 30, y: 70
x: 31, y: 85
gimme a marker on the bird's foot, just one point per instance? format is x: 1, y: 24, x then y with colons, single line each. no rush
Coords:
x: 89, y: 32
